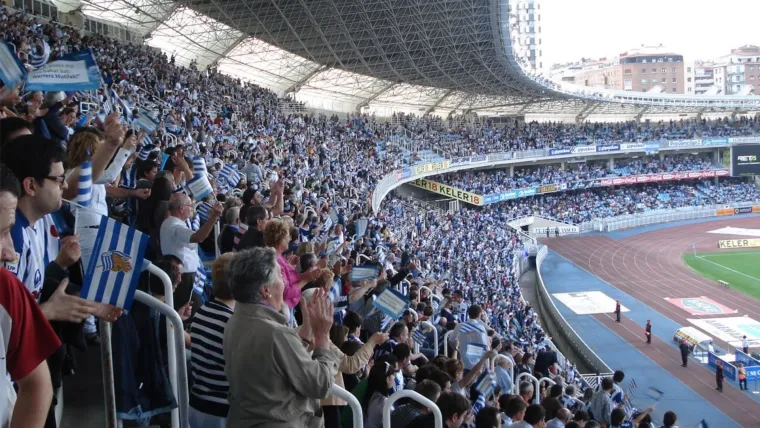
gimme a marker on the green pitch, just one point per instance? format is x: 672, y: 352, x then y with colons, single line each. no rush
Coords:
x: 741, y: 269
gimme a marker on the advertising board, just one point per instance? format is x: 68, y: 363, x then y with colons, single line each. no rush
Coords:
x: 745, y: 160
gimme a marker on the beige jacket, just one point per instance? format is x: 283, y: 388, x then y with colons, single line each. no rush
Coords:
x: 274, y: 382
x: 349, y: 365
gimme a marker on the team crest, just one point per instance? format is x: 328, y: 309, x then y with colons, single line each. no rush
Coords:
x: 116, y: 261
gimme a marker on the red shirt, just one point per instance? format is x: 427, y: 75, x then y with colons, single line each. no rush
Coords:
x: 26, y: 332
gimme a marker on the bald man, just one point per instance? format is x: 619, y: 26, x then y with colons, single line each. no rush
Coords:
x: 562, y: 418
x: 178, y: 239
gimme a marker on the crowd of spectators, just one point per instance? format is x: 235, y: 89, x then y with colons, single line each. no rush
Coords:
x: 281, y: 320
x: 454, y: 139
x: 499, y: 180
x: 580, y: 206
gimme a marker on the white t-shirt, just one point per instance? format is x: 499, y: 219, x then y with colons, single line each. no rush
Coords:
x: 36, y: 246
x: 175, y: 240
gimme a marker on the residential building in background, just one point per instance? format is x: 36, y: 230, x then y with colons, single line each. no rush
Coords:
x: 704, y: 79
x: 525, y: 19
x: 738, y: 73
x: 645, y: 69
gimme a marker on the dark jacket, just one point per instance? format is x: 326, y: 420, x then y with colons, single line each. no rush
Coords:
x: 55, y: 127
x: 250, y: 239
x: 227, y: 239
x: 141, y: 367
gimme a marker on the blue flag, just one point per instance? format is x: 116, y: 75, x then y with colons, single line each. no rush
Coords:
x: 40, y: 55
x: 199, y: 166
x: 199, y: 187
x: 204, y: 211
x: 12, y: 72
x: 76, y: 71
x: 200, y: 281
x: 418, y: 336
x: 84, y: 186
x: 229, y: 172
x: 146, y: 121
x: 114, y: 267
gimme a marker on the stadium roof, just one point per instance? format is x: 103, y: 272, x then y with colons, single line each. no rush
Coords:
x: 405, y: 55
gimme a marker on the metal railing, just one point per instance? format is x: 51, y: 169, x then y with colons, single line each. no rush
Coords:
x: 175, y: 346
x: 356, y: 409
x: 408, y: 393
x: 536, y: 385
x: 659, y: 216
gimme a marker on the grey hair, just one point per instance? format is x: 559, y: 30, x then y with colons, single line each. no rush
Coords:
x: 232, y: 215
x: 177, y: 200
x: 249, y: 271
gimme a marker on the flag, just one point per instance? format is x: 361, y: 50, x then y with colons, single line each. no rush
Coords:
x: 114, y: 267
x: 632, y: 388
x: 129, y: 178
x: 479, y: 404
x: 199, y: 166
x: 230, y: 173
x: 199, y: 187
x: 12, y: 72
x: 84, y: 186
x: 200, y: 281
x: 126, y: 111
x: 204, y: 211
x: 361, y: 226
x: 146, y: 121
x: 418, y: 336
x: 146, y: 151
x: 486, y: 384
x: 655, y: 394
x: 77, y: 71
x: 40, y: 55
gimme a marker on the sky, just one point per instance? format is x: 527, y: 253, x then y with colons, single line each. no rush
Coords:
x: 697, y: 29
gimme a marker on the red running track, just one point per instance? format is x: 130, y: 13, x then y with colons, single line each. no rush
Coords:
x: 648, y: 267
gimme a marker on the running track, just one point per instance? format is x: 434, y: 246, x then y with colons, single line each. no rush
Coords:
x: 648, y: 267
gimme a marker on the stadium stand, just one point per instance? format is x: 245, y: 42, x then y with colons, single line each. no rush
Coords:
x: 291, y: 195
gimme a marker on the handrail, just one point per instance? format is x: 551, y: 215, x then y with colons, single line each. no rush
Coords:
x: 353, y: 403
x: 408, y: 393
x: 106, y: 362
x: 492, y: 362
x: 534, y: 381
x: 430, y: 293
x: 446, y: 343
x: 171, y: 352
x: 217, y: 231
x: 178, y: 377
x: 547, y: 380
x: 430, y: 325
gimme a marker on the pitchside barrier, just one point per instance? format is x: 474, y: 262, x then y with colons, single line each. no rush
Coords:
x: 669, y: 215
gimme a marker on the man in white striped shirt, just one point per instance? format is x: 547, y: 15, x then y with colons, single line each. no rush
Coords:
x: 473, y: 338
x: 208, y: 396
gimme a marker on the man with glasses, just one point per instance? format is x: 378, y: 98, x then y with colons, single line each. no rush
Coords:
x: 178, y: 240
x: 38, y: 165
